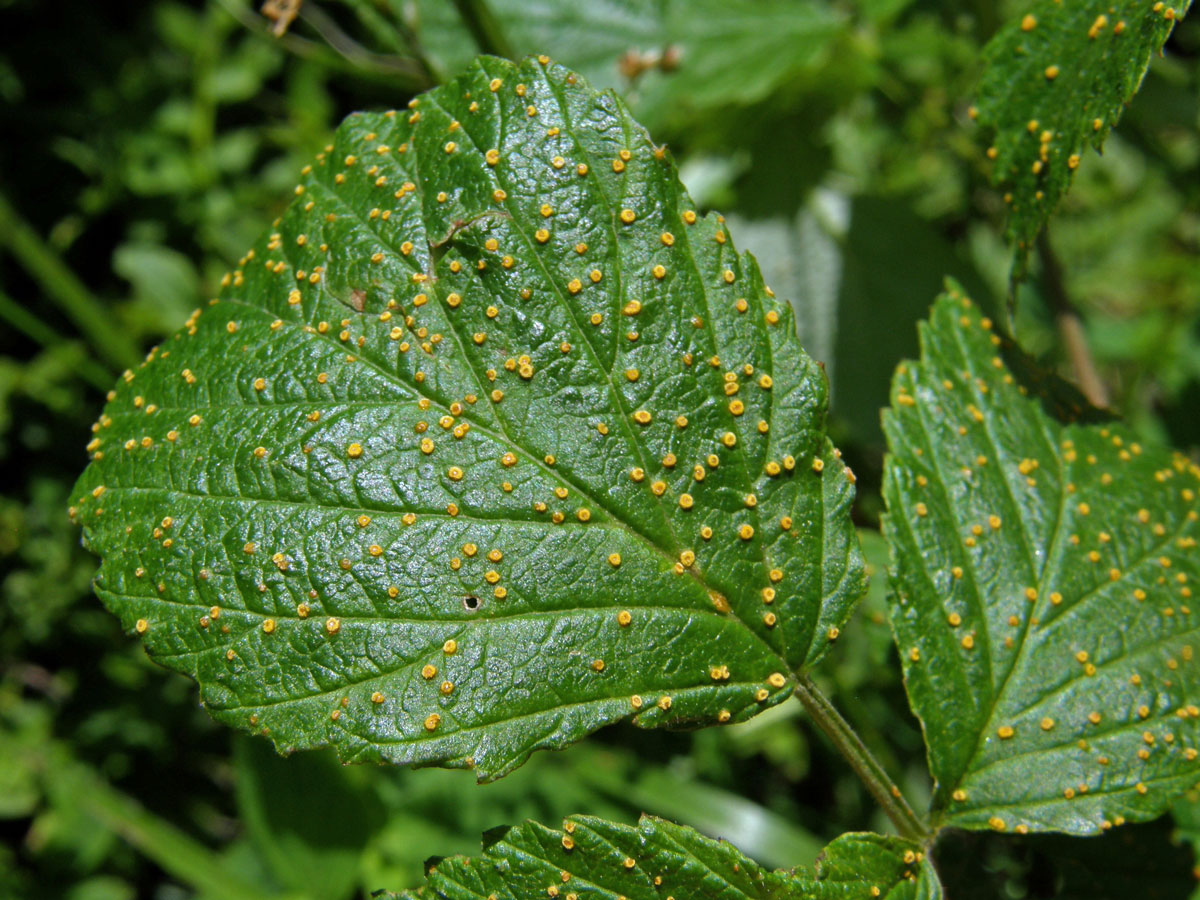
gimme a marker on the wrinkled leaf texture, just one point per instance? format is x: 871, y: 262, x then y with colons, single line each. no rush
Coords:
x: 1043, y: 577
x: 490, y: 441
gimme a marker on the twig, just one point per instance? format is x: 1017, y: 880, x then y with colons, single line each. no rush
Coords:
x: 485, y: 28
x: 413, y: 42
x: 390, y: 24
x: 355, y: 53
x: 395, y: 71
x: 868, y: 769
x: 1070, y: 325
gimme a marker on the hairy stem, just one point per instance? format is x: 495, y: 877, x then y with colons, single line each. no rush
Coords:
x: 484, y: 27
x: 1070, y: 325
x: 851, y: 747
x: 64, y: 288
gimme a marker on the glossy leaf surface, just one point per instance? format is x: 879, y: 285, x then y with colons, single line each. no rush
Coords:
x: 1044, y: 577
x: 490, y: 441
x: 1055, y: 82
x: 658, y: 859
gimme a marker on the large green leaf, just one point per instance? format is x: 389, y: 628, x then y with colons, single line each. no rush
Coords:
x: 489, y: 442
x: 1055, y: 82
x: 1044, y: 576
x: 675, y: 57
x: 658, y: 859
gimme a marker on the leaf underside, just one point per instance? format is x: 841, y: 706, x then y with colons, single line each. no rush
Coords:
x: 1055, y: 82
x: 490, y: 441
x: 590, y: 857
x: 1043, y: 576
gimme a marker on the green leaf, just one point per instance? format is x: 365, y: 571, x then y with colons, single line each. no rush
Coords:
x: 658, y: 859
x: 738, y: 53
x: 673, y: 57
x: 1054, y: 84
x: 279, y: 799
x: 1044, y: 576
x: 884, y: 288
x: 662, y: 790
x: 489, y: 442
x: 589, y: 37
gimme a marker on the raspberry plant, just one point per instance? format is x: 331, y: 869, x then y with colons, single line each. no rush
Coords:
x: 494, y: 439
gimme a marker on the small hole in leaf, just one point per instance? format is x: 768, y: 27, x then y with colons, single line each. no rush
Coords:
x: 470, y: 603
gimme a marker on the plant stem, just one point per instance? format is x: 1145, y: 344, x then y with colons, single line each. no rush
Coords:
x: 1070, y: 325
x: 484, y: 27
x: 62, y: 286
x: 39, y: 332
x: 386, y: 21
x: 847, y: 742
x: 413, y: 42
x: 178, y: 854
x: 396, y: 72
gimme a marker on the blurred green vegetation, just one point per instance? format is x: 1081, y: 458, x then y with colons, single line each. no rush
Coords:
x: 148, y: 143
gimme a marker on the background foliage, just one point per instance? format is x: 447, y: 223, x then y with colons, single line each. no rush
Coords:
x: 154, y: 141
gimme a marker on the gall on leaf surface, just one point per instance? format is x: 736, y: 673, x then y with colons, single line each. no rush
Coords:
x: 490, y: 441
x: 590, y: 857
x: 1044, y: 577
x: 1055, y: 82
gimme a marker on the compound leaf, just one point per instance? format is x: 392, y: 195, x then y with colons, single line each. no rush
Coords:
x: 1054, y: 84
x: 658, y: 859
x: 1043, y: 576
x: 490, y: 441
